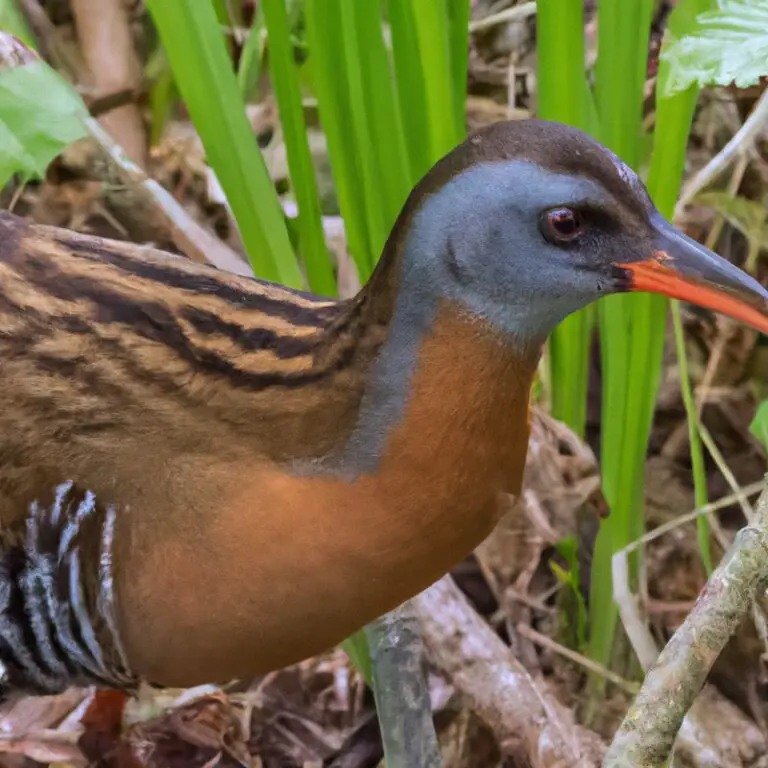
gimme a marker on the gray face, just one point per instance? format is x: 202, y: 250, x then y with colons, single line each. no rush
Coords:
x: 482, y: 240
x: 478, y: 241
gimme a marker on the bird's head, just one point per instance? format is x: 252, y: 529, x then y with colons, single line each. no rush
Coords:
x: 529, y: 221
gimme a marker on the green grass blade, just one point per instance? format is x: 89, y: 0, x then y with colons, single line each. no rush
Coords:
x: 411, y: 86
x: 220, y: 9
x: 562, y: 80
x: 620, y: 70
x: 193, y: 42
x: 329, y: 76
x: 363, y: 145
x: 252, y: 57
x: 620, y: 75
x: 759, y: 425
x: 697, y: 451
x: 632, y: 354
x: 360, y: 111
x: 434, y: 53
x: 563, y: 95
x: 569, y: 353
x: 430, y: 43
x: 459, y: 13
x: 674, y: 114
x: 383, y: 120
x: 285, y: 81
x: 623, y: 31
x: 356, y: 647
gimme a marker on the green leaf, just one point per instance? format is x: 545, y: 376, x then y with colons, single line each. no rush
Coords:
x: 356, y: 647
x: 568, y: 548
x: 12, y: 20
x: 759, y: 425
x: 40, y: 113
x: 722, y: 46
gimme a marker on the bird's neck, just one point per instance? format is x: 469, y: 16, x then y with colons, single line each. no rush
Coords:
x: 440, y: 374
x: 441, y: 438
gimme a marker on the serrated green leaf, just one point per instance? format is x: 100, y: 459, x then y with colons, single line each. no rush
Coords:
x: 723, y: 46
x: 759, y: 425
x: 40, y: 115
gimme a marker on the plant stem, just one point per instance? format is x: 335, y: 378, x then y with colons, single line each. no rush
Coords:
x: 401, y: 692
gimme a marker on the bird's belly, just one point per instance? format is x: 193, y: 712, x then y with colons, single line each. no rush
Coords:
x: 288, y: 567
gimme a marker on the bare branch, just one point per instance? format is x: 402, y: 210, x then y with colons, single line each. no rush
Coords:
x: 516, y: 13
x: 190, y: 237
x: 106, y: 41
x: 647, y: 735
x: 526, y: 720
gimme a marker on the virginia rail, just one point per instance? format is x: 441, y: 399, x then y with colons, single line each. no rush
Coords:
x: 206, y: 477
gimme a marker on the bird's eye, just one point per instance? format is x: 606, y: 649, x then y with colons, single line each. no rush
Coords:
x: 562, y: 225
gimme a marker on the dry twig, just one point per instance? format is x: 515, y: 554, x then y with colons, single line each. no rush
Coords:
x: 189, y: 236
x: 648, y: 732
x: 739, y: 144
x: 577, y: 658
x: 526, y: 720
x: 695, y: 738
x: 516, y: 13
x: 106, y: 41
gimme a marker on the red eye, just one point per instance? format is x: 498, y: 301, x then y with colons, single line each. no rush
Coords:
x: 563, y: 225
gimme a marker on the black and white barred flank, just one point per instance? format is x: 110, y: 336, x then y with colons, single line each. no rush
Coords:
x: 58, y: 624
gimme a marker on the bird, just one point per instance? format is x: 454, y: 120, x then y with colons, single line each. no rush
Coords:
x: 206, y: 477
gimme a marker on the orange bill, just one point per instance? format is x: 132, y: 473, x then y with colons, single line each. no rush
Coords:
x: 683, y: 269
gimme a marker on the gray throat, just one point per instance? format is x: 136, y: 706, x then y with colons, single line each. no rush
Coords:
x: 386, y: 396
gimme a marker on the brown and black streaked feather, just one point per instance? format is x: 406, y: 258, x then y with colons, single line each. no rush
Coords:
x: 103, y: 341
